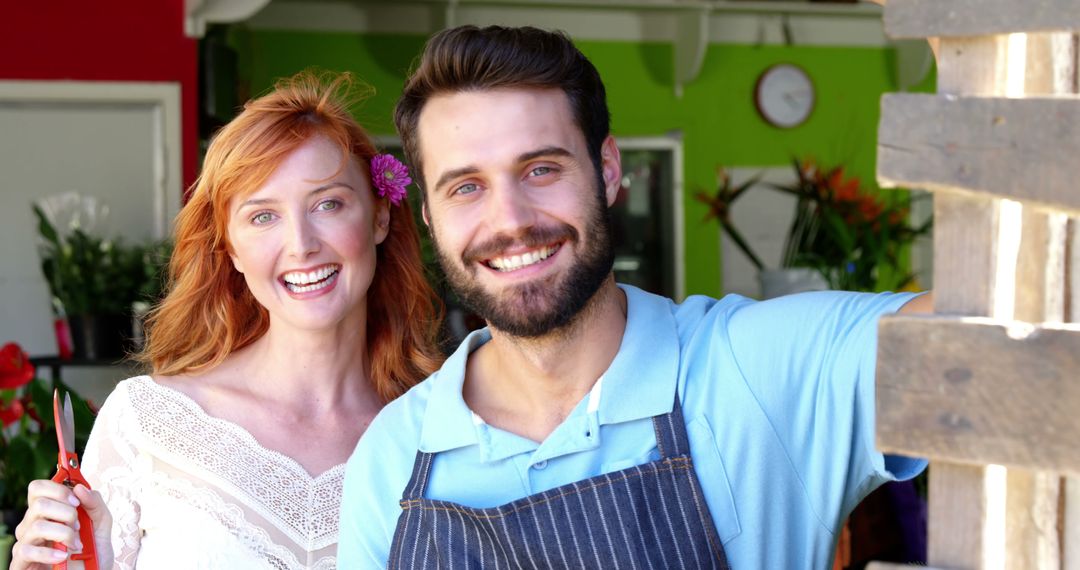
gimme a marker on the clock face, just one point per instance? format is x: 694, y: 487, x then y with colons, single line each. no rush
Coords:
x: 784, y: 95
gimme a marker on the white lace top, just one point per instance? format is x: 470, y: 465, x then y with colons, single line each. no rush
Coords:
x: 187, y: 490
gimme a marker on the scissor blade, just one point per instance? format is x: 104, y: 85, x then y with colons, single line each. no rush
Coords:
x: 68, y: 428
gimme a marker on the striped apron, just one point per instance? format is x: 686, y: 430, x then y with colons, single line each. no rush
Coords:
x: 651, y: 516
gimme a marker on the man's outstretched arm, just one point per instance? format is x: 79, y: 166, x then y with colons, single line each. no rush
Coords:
x: 919, y: 305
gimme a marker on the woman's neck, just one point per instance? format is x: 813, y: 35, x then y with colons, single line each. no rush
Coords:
x: 314, y: 370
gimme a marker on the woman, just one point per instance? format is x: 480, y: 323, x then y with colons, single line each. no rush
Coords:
x: 297, y: 307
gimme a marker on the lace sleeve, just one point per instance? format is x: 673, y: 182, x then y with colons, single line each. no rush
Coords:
x: 112, y: 465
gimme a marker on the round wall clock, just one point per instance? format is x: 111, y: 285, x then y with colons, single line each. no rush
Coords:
x: 784, y: 95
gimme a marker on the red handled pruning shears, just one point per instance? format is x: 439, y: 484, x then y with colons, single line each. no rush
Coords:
x: 67, y: 473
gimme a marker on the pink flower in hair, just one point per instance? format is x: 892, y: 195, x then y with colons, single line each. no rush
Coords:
x: 390, y: 177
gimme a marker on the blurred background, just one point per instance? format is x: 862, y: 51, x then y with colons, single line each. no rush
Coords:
x: 748, y: 131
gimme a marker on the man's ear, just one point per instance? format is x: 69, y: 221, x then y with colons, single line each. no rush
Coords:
x: 611, y: 169
x: 424, y: 214
x: 382, y: 220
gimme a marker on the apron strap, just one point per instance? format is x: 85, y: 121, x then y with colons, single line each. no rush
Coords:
x: 671, y: 439
x: 419, y: 480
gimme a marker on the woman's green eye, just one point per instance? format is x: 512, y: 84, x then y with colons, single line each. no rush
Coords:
x: 328, y: 205
x: 263, y: 218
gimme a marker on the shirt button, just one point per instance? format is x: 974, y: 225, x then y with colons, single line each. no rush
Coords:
x: 539, y: 465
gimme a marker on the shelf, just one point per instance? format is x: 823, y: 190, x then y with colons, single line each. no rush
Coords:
x: 866, y: 9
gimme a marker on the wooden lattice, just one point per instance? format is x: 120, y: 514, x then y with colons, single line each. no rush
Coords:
x: 994, y: 400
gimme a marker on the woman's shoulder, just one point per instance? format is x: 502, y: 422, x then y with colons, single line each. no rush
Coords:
x: 151, y: 394
x: 181, y: 383
x: 120, y: 397
x: 197, y: 386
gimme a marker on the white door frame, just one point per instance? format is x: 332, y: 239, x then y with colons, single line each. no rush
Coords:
x: 163, y: 99
x: 672, y: 142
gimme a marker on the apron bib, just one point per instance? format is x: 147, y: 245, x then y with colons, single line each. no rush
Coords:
x: 647, y: 517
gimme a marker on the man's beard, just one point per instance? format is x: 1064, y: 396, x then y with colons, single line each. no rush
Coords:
x: 538, y: 308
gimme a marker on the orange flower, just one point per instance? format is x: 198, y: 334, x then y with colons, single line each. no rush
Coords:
x: 15, y: 367
x: 847, y: 190
x: 869, y: 208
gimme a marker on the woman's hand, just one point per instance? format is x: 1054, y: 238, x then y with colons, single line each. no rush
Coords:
x: 52, y: 517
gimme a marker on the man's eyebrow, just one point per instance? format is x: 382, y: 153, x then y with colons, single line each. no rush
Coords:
x: 455, y: 173
x: 546, y: 151
x: 264, y: 201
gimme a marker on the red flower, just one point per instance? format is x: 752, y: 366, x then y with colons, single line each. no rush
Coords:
x: 15, y: 367
x: 12, y: 413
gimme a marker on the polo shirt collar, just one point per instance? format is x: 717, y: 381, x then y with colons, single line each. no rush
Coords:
x: 639, y: 383
x: 448, y: 422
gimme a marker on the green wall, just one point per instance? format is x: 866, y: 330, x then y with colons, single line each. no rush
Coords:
x: 716, y: 115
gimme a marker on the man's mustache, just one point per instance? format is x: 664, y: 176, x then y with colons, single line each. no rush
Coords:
x: 530, y: 238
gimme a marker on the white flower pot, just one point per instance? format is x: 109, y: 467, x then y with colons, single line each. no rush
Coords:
x: 780, y: 282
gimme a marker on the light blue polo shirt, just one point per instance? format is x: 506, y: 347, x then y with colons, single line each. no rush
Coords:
x: 778, y: 397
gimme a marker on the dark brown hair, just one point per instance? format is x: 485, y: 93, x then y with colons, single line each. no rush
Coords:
x: 209, y: 312
x: 469, y: 58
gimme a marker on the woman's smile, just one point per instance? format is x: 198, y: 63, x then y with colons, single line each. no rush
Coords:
x: 321, y: 279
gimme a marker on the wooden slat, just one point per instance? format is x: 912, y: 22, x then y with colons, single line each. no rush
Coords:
x: 965, y: 246
x: 1071, y: 507
x: 973, y: 66
x: 1022, y: 149
x: 1031, y: 521
x: 1071, y: 531
x: 1071, y: 303
x: 975, y: 391
x: 965, y: 249
x: 1052, y: 64
x: 957, y: 515
x: 1033, y: 517
x: 1032, y: 541
x: 1040, y: 268
x: 952, y: 18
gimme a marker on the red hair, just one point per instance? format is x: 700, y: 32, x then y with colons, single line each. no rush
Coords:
x: 209, y: 312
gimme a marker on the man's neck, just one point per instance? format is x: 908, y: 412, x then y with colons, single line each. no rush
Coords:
x: 529, y: 386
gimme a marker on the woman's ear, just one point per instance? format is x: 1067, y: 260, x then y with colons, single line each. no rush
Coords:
x: 236, y: 262
x: 382, y: 220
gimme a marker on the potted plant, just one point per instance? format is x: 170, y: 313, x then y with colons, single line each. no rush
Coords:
x: 94, y: 280
x: 28, y: 446
x: 843, y: 235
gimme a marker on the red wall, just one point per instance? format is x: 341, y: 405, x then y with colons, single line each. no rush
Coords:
x: 106, y: 40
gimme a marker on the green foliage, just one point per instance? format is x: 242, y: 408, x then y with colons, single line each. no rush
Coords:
x: 155, y: 263
x: 720, y: 209
x: 92, y: 275
x: 28, y: 448
x: 846, y: 233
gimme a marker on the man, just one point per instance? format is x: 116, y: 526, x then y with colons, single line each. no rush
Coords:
x: 593, y: 425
